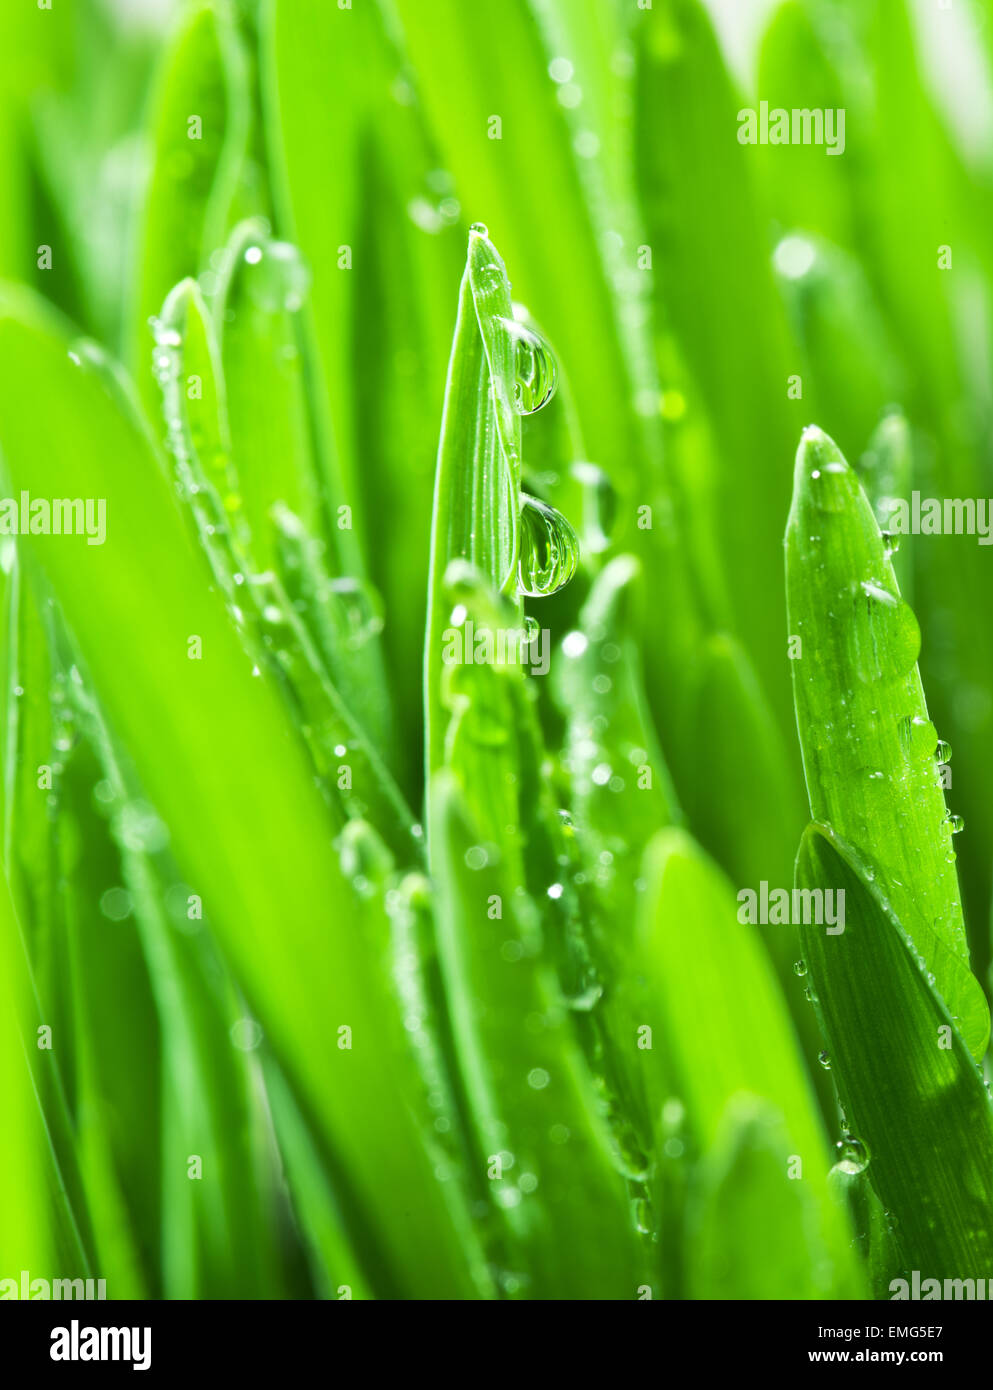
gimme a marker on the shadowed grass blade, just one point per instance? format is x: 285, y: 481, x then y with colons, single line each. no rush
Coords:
x: 911, y: 1093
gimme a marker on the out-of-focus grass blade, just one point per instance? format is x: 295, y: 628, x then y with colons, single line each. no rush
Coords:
x: 491, y: 105
x: 25, y: 1238
x: 262, y: 288
x: 714, y: 284
x: 739, y: 746
x: 752, y: 1231
x: 716, y: 1013
x: 337, y: 1270
x: 886, y: 472
x: 911, y: 1094
x: 199, y: 134
x: 307, y: 49
x: 211, y: 1103
x: 807, y: 186
x: 869, y: 748
x: 851, y: 369
x: 310, y: 978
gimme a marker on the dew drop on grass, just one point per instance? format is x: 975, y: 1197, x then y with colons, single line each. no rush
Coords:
x: 246, y: 1034
x: 116, y: 904
x: 800, y: 968
x: 137, y: 827
x: 891, y: 542
x: 793, y: 257
x: 943, y: 752
x: 599, y: 505
x: 549, y: 550
x: 955, y: 824
x: 534, y: 368
x: 853, y: 1155
x: 480, y: 228
x: 919, y: 736
x: 884, y: 638
x: 825, y: 1060
x: 277, y: 277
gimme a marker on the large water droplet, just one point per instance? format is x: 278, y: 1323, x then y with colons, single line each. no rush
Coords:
x: 943, y: 752
x: 534, y: 368
x: 549, y: 550
x: 884, y: 637
x: 853, y: 1154
x: 919, y: 735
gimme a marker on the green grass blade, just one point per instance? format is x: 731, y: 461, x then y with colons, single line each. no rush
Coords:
x: 868, y: 744
x: 565, y: 1225
x: 718, y: 1020
x: 910, y: 1091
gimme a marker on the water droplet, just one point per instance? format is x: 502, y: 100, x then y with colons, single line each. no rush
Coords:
x: 891, y: 542
x: 853, y: 1154
x: 534, y: 368
x: 825, y: 1060
x: 137, y: 827
x: 800, y: 968
x: 884, y: 637
x: 794, y: 256
x: 549, y: 550
x: 277, y: 276
x: 116, y: 904
x: 919, y: 735
x: 583, y: 1002
x: 365, y: 860
x: 955, y: 824
x: 480, y: 228
x: 357, y: 610
x: 943, y: 752
x: 599, y: 505
x: 246, y: 1034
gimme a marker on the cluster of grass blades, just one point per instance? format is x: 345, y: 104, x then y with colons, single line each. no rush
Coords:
x: 380, y: 795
